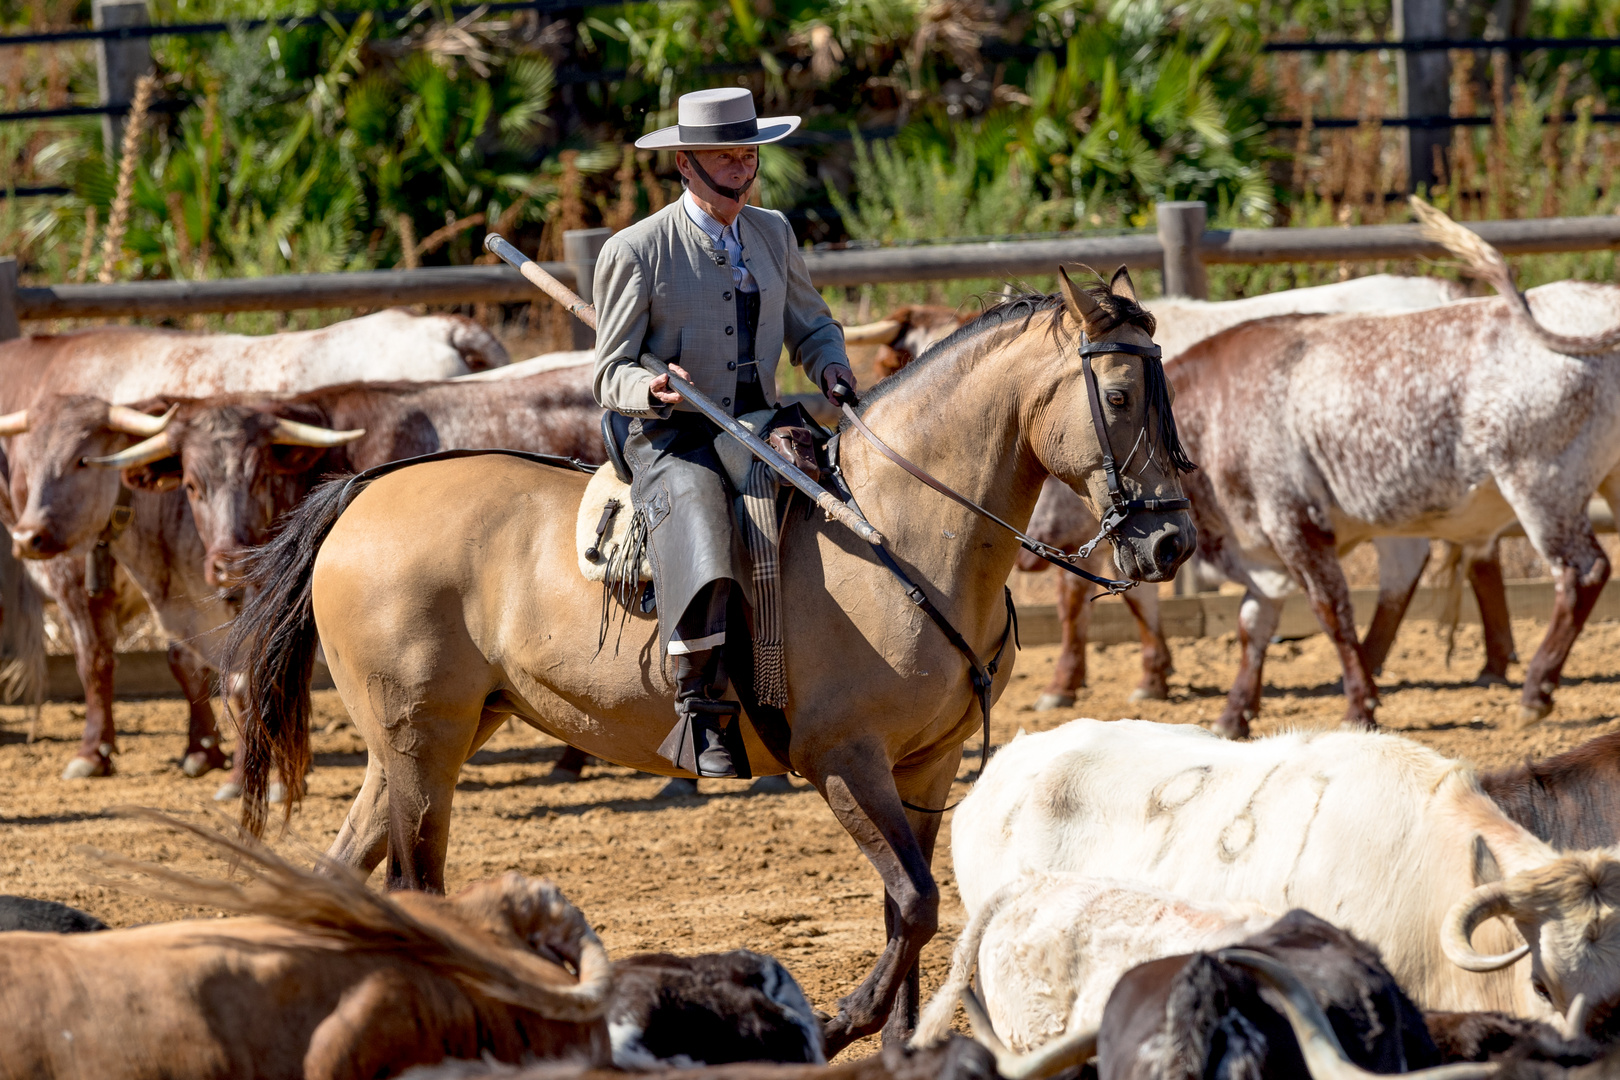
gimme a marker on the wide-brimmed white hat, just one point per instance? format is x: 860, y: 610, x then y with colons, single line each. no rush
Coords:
x: 715, y: 119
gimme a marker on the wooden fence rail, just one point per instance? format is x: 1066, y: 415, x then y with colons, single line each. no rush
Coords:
x: 1182, y: 247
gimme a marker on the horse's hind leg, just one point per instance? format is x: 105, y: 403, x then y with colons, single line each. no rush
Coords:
x: 423, y: 757
x: 363, y: 840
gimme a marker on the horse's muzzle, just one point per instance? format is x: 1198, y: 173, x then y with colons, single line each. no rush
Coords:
x: 1146, y: 551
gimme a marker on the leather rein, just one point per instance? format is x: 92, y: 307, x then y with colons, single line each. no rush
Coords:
x: 1120, y: 508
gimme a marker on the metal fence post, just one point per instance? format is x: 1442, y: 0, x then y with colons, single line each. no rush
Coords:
x: 1424, y: 80
x: 119, y: 63
x: 10, y: 327
x: 1181, y: 232
x: 580, y: 249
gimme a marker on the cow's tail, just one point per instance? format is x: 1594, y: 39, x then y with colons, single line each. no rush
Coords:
x: 270, y: 654
x: 935, y: 1023
x: 1487, y: 264
x: 480, y: 350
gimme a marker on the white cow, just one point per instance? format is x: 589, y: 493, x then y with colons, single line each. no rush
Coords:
x: 534, y: 365
x: 1373, y: 832
x: 1049, y: 948
x: 1062, y: 520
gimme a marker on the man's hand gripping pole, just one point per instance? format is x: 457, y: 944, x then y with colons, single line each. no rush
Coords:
x: 839, y: 511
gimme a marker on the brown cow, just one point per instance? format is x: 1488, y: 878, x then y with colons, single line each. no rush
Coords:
x: 124, y: 364
x: 321, y: 978
x: 58, y: 506
x: 244, y: 460
x: 1571, y: 801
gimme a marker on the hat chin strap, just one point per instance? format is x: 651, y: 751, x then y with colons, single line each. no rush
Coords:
x: 718, y: 188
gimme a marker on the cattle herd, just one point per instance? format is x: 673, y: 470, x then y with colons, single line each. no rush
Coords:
x: 1144, y: 901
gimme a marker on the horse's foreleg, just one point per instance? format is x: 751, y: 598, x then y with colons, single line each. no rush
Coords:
x: 859, y: 787
x: 1257, y: 622
x: 1155, y: 684
x: 1074, y: 615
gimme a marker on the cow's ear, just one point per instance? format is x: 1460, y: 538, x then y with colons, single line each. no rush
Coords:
x: 161, y: 475
x: 1079, y: 303
x: 1486, y: 869
x: 1122, y: 285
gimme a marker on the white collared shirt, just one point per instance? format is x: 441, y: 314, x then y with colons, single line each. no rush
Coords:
x: 726, y: 237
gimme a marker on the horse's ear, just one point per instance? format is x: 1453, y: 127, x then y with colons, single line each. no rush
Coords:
x: 1077, y: 301
x: 1121, y: 285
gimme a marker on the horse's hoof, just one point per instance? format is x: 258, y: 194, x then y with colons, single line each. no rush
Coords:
x: 772, y: 785
x: 1048, y: 702
x: 229, y: 791
x: 560, y: 775
x: 83, y: 768
x: 678, y: 788
x: 277, y: 793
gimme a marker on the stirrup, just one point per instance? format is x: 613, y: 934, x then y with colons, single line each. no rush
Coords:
x: 697, y: 735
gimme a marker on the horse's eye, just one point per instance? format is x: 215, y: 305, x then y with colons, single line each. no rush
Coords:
x: 1116, y: 398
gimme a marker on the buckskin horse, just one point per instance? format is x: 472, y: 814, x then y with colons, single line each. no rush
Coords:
x: 447, y: 598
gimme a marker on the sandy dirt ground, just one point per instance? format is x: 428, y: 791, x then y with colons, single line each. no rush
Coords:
x: 728, y: 869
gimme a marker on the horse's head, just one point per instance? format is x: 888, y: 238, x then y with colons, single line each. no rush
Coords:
x: 1125, y: 407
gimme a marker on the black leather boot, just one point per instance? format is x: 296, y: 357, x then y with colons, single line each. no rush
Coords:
x: 698, y: 741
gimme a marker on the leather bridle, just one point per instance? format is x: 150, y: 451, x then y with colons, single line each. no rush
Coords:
x: 1119, y: 507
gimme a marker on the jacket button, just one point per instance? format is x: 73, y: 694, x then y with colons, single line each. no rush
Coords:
x: 725, y: 401
x: 731, y: 365
x: 728, y: 331
x: 726, y: 296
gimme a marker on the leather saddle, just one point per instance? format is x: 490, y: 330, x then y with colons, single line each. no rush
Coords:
x: 615, y: 430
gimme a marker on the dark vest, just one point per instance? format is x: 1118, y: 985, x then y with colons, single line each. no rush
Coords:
x: 750, y: 394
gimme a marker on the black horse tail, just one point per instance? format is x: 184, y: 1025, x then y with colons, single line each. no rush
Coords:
x: 270, y: 654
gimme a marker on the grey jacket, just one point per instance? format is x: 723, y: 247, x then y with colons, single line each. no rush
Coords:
x: 663, y: 288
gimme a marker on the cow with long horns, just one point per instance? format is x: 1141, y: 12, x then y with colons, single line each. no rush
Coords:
x: 1398, y: 843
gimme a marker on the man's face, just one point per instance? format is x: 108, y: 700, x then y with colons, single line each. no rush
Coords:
x: 731, y: 167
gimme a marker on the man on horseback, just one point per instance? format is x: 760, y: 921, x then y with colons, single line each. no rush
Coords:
x: 715, y: 288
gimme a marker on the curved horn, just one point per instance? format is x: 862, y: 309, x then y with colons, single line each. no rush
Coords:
x: 14, y: 423
x: 292, y: 433
x: 882, y: 332
x: 1486, y: 263
x: 1064, y: 1052
x: 128, y: 421
x: 1457, y: 932
x: 142, y: 453
x: 564, y: 926
x: 1324, y: 1057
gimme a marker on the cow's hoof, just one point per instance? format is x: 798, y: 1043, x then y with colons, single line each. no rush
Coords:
x: 83, y: 768
x: 277, y: 793
x: 1048, y: 702
x: 1531, y: 713
x: 201, y: 762
x: 1488, y: 677
x: 229, y: 791
x: 772, y: 785
x: 1229, y: 728
x: 679, y: 788
x: 1150, y: 693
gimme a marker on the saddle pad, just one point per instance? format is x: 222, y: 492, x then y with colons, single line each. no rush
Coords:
x: 604, y: 486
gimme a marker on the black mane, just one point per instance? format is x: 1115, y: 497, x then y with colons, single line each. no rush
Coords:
x: 1116, y: 311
